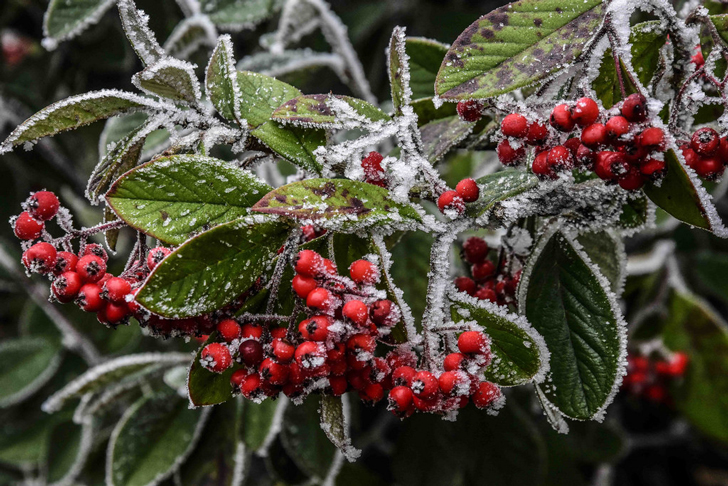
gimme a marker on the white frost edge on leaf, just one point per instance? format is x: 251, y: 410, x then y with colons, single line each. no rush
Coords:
x: 519, y: 320
x: 275, y: 65
x: 172, y: 44
x: 88, y: 432
x: 50, y: 43
x: 611, y: 298
x: 183, y: 67
x: 136, y: 22
x: 56, y: 401
x: 275, y: 427
x: 239, y: 464
x: 397, y: 44
x: 553, y: 415
x: 128, y: 414
x: 225, y: 42
x: 344, y: 446
x: 36, y: 383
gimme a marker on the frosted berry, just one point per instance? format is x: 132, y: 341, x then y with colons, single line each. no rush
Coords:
x: 316, y: 328
x: 117, y: 289
x: 473, y: 342
x: 91, y: 268
x: 308, y: 263
x: 66, y: 286
x: 514, y: 125
x: 653, y: 168
x: 451, y: 201
x: 89, y: 298
x: 156, y: 255
x: 560, y: 158
x: 486, y: 394
x: 303, y: 286
x: 470, y: 110
x: 330, y: 267
x: 43, y: 205
x: 273, y: 372
x: 237, y: 379
x: 321, y: 300
x: 283, y: 350
x: 483, y: 270
x: 542, y: 168
x: 634, y: 108
x: 632, y: 180
x: 310, y: 355
x: 400, y: 399
x: 403, y: 376
x: 251, y: 352
x: 468, y: 190
x: 585, y: 112
x: 338, y: 385
x: 424, y: 385
x: 709, y: 167
x: 561, y: 118
x: 252, y: 386
x: 609, y: 165
x: 537, y: 134
x: 96, y: 250
x: 252, y: 331
x: 229, y: 330
x: 356, y: 311
x: 114, y: 313
x: 364, y: 272
x: 465, y: 284
x: 594, y: 135
x: 508, y: 155
x: 216, y: 357
x: 65, y: 262
x: 475, y: 249
x: 27, y: 228
x: 652, y: 138
x: 40, y: 258
x: 360, y: 345
x: 373, y: 172
x: 454, y: 382
x: 453, y: 361
x: 705, y: 141
x: 616, y: 127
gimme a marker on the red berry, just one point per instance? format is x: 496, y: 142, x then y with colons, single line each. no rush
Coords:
x: 237, y: 379
x: 364, y: 272
x: 468, y: 190
x: 330, y: 267
x: 542, y: 168
x: 454, y: 382
x: 514, y: 125
x: 481, y: 271
x: 403, y: 376
x: 609, y: 165
x: 66, y: 286
x: 424, y: 385
x: 585, y: 157
x: 698, y: 58
x: 473, y: 342
x: 251, y: 352
x: 283, y: 350
x: 634, y: 108
x: 114, y: 313
x: 561, y: 118
x: 475, y: 249
x: 40, y: 258
x: 508, y: 155
x: 321, y: 300
x: 616, y: 127
x: 538, y: 133
x: 310, y: 355
x: 652, y: 138
x: 450, y: 201
x: 675, y: 367
x: 309, y: 263
x: 356, y: 311
x: 373, y: 172
x: 632, y: 180
x: 338, y: 385
x: 216, y: 357
x: 315, y: 328
x: 117, y: 289
x: 465, y: 284
x: 705, y: 141
x: 585, y: 112
x: 91, y: 268
x: 65, y: 262
x: 156, y: 255
x: 400, y: 399
x: 251, y: 331
x: 89, y: 298
x: 653, y: 168
x: 709, y: 167
x: 380, y: 312
x: 486, y: 394
x: 96, y: 250
x: 43, y: 205
x: 486, y: 294
x: 372, y: 393
x: 572, y: 145
x: 560, y: 158
x: 453, y: 361
x: 303, y: 286
x: 27, y: 228
x: 229, y: 330
x: 594, y: 135
x: 273, y: 372
x: 278, y: 332
x: 470, y: 110
x: 252, y: 386
x: 361, y: 345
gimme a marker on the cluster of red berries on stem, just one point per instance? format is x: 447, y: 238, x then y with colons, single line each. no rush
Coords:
x: 618, y: 145
x: 706, y: 153
x: 485, y: 282
x: 649, y: 378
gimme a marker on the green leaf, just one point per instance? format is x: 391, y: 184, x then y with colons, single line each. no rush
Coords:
x: 221, y: 79
x: 27, y: 363
x: 398, y: 70
x: 500, y: 186
x: 295, y: 144
x: 519, y: 354
x: 304, y: 440
x: 696, y: 329
x: 141, y: 37
x: 67, y: 18
x: 239, y: 14
x: 410, y: 266
x: 439, y: 136
x: 337, y: 203
x: 678, y: 195
x: 205, y: 387
x: 75, y: 112
x: 119, y: 127
x: 213, y: 268
x: 635, y: 213
x: 606, y: 85
x: 571, y: 308
x: 24, y: 444
x: 426, y: 112
x: 64, y: 461
x: 606, y: 250
x: 425, y: 58
x: 172, y: 198
x: 333, y: 423
x: 260, y: 95
x: 647, y: 39
x: 329, y: 111
x: 721, y: 25
x: 494, y: 55
x: 151, y: 440
x: 170, y: 78
x: 257, y: 421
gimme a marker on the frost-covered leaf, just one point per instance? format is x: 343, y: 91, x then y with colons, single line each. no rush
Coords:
x: 439, y: 136
x: 696, y: 329
x: 110, y: 373
x: 221, y: 80
x: 65, y: 19
x: 606, y: 250
x: 170, y: 78
x: 75, y: 112
x: 189, y: 35
x: 119, y: 127
x: 239, y: 14
x: 495, y: 54
x: 27, y: 363
x: 111, y: 237
x: 501, y: 186
x: 151, y: 440
x: 337, y: 202
x: 399, y: 73
x: 426, y: 112
x: 295, y: 144
x: 260, y: 95
x: 519, y: 352
x: 213, y: 268
x: 721, y: 25
x: 635, y: 213
x: 205, y: 387
x: 328, y: 111
x: 425, y: 58
x: 682, y: 196
x: 172, y: 198
x: 606, y: 85
x: 141, y: 38
x: 289, y: 61
x: 257, y: 421
x: 572, y: 307
x: 333, y: 423
x: 65, y: 463
x: 304, y: 440
x: 647, y: 39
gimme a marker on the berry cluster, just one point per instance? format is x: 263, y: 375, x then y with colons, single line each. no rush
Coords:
x: 452, y: 203
x: 619, y: 145
x: 706, y: 153
x: 334, y: 350
x: 650, y: 378
x: 485, y: 283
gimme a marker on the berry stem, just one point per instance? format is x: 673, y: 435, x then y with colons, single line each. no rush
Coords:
x: 86, y: 232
